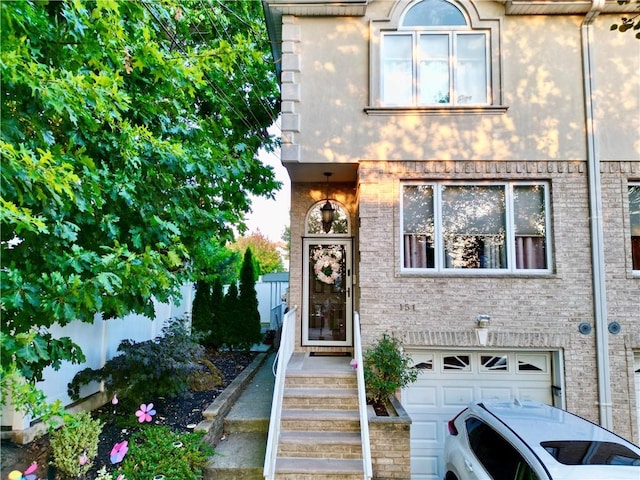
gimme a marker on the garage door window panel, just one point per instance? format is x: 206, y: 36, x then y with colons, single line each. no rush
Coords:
x: 456, y: 363
x: 531, y: 363
x: 494, y: 363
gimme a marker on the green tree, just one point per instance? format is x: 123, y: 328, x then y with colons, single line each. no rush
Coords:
x: 217, y: 314
x: 230, y: 308
x: 266, y: 254
x: 202, y: 311
x: 218, y: 262
x: 248, y: 319
x: 129, y: 138
x: 286, y: 238
x: 629, y: 23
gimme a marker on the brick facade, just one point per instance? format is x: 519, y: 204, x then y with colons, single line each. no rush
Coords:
x: 390, y: 444
x: 537, y: 128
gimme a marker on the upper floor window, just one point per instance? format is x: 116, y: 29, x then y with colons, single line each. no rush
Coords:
x: 498, y: 226
x: 434, y: 54
x: 634, y: 222
x: 434, y: 58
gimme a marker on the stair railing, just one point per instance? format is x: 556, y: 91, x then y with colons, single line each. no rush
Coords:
x: 287, y: 344
x: 362, y: 398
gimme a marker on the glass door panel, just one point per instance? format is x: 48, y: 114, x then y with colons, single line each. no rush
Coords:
x: 327, y: 312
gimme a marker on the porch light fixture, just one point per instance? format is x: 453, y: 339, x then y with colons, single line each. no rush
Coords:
x: 482, y: 330
x: 327, y: 209
x: 483, y: 321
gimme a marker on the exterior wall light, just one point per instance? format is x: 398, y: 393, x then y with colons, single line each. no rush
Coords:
x: 483, y: 321
x: 482, y: 330
x: 327, y: 209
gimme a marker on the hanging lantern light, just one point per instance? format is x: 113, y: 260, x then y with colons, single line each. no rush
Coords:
x: 327, y: 209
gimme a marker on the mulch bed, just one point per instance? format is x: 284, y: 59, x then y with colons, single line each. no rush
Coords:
x: 181, y: 414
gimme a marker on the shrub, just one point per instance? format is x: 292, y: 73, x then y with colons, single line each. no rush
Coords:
x: 216, y: 339
x: 77, y: 438
x: 156, y: 450
x: 201, y: 311
x: 386, y: 369
x: 230, y: 314
x: 145, y: 370
x: 248, y: 320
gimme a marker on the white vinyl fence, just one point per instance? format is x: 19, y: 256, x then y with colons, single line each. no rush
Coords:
x: 99, y: 342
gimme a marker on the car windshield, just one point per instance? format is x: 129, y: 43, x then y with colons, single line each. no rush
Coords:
x: 576, y: 452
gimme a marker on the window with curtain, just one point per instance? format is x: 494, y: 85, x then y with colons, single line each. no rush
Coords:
x: 634, y: 224
x: 499, y: 226
x: 434, y: 58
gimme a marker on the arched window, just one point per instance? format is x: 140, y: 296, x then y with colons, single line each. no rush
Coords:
x: 433, y: 13
x: 339, y: 226
x: 439, y: 54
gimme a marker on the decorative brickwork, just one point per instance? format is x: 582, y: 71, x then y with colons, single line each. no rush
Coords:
x: 390, y: 444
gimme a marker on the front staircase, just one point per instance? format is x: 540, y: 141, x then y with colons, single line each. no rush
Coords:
x: 320, y: 422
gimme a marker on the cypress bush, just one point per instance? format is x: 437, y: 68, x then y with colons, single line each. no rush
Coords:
x: 201, y: 313
x: 249, y: 318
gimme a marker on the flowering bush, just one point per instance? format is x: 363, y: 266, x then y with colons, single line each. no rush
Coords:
x: 327, y: 265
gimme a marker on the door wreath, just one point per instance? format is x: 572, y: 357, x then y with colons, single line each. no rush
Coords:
x: 327, y: 265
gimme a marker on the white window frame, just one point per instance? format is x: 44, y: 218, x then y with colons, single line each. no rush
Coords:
x: 490, y: 27
x: 438, y: 245
x: 453, y: 35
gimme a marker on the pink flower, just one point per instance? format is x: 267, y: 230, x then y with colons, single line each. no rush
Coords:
x: 121, y: 477
x: 354, y: 363
x: 118, y: 452
x: 83, y: 459
x: 145, y: 413
x: 27, y: 475
x: 114, y: 400
x: 31, y: 469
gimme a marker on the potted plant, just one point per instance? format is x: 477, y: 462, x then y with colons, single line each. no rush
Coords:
x: 386, y: 369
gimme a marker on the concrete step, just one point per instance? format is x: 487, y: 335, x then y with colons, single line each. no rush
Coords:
x: 302, y: 419
x: 337, y: 398
x: 343, y: 445
x: 320, y: 379
x: 239, y: 456
x: 318, y: 469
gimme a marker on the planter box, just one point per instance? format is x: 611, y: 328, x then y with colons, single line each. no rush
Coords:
x: 390, y: 443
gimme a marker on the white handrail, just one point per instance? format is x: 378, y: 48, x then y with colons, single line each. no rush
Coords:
x: 287, y: 344
x: 362, y: 398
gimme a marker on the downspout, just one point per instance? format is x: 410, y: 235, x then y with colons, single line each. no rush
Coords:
x: 595, y: 207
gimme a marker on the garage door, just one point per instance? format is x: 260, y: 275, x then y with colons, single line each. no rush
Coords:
x: 449, y: 380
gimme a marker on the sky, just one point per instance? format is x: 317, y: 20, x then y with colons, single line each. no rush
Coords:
x: 272, y: 216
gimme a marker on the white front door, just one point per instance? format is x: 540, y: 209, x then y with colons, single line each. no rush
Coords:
x: 327, y: 309
x: 450, y: 380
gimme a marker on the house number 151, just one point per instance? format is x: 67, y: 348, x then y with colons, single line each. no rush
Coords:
x: 406, y: 307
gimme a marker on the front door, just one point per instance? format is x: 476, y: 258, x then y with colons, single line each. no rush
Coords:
x: 327, y: 309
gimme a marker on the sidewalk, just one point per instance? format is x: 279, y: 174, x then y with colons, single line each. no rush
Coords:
x: 240, y: 449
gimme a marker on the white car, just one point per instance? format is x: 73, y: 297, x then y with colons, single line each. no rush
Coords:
x: 533, y: 441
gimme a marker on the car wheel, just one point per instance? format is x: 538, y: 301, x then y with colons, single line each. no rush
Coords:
x: 450, y: 476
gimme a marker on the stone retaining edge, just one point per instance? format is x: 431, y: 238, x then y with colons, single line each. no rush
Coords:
x: 214, y: 415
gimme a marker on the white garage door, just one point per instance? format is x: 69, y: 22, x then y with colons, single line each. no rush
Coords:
x: 449, y: 380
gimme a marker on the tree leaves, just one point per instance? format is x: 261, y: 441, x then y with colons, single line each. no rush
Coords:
x: 129, y: 139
